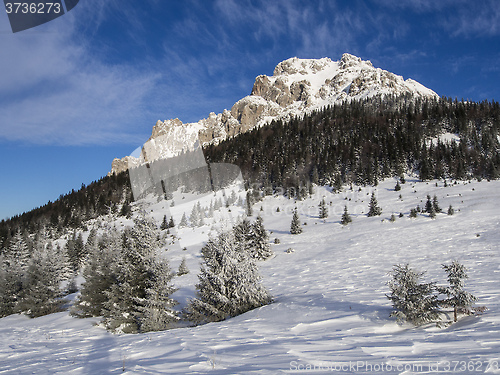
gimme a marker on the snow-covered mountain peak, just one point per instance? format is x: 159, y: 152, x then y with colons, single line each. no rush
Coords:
x: 297, y: 86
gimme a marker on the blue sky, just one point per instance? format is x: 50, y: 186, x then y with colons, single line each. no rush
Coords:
x: 89, y: 86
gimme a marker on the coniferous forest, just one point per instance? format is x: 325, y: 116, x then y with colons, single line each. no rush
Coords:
x: 365, y: 141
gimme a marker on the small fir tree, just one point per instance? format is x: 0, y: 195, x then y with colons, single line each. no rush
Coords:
x: 171, y: 223
x: 164, y: 223
x: 183, y: 268
x: 323, y: 209
x: 451, y: 211
x: 432, y: 214
x: 374, y: 209
x: 260, y: 248
x: 195, y: 216
x: 184, y: 222
x: 295, y: 227
x: 412, y: 301
x: 460, y: 300
x: 428, y: 205
x: 397, y: 187
x: 435, y: 205
x: 413, y: 213
x: 346, y: 218
x: 229, y: 283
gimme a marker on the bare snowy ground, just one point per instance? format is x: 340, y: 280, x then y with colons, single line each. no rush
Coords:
x: 330, y: 312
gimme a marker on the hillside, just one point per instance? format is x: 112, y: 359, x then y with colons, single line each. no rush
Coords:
x: 330, y: 308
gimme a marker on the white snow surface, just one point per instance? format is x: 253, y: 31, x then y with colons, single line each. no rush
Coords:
x: 330, y: 312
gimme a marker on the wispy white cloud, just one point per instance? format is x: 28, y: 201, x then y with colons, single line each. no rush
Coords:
x: 55, y: 90
x: 475, y: 18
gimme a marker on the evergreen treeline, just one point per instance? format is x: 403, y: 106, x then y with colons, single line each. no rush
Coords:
x: 365, y: 141
x: 111, y: 194
x: 360, y: 141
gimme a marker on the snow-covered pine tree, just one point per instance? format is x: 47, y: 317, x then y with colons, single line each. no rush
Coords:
x: 41, y: 285
x: 155, y: 309
x: 184, y: 222
x: 295, y: 227
x: 164, y: 224
x: 451, y: 211
x: 374, y: 209
x: 210, y: 213
x: 183, y: 268
x: 323, y: 210
x: 432, y: 214
x: 171, y: 223
x: 458, y: 298
x: 260, y: 248
x: 428, y: 204
x: 435, y: 204
x: 244, y: 235
x: 195, y: 216
x: 99, y: 276
x: 412, y: 301
x: 229, y: 283
x: 413, y: 213
x: 10, y: 286
x: 139, y: 298
x: 75, y: 249
x: 18, y: 253
x: 346, y: 218
x: 13, y: 267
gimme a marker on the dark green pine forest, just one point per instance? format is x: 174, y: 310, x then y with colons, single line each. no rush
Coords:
x: 357, y: 142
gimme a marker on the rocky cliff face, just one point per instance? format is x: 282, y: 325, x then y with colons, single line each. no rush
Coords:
x: 297, y: 86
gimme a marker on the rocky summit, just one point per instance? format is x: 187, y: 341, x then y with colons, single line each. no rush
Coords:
x: 297, y: 86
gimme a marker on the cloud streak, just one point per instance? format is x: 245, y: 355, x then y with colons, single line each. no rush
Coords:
x: 53, y: 89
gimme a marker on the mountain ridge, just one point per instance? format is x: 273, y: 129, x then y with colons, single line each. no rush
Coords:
x: 297, y: 86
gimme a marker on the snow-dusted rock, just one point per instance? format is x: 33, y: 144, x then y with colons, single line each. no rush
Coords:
x: 297, y: 86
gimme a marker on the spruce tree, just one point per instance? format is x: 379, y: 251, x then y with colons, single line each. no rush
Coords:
x: 99, y: 275
x: 374, y: 209
x: 428, y: 205
x: 244, y: 235
x: 451, y: 211
x: 435, y: 205
x: 183, y: 223
x: 260, y: 248
x: 458, y: 298
x: 229, y: 283
x: 323, y: 210
x: 171, y: 223
x: 413, y: 213
x: 295, y: 227
x: 164, y: 224
x: 195, y: 216
x: 346, y: 218
x: 412, y: 301
x: 183, y: 268
x: 138, y: 298
x: 155, y: 309
x: 41, y: 293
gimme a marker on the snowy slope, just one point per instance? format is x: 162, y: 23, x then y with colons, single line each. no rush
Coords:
x: 330, y: 309
x: 297, y: 86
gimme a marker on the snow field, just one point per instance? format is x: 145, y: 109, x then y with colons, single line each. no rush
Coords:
x: 330, y: 312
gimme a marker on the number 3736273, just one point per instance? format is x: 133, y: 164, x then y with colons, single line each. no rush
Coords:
x: 33, y: 8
